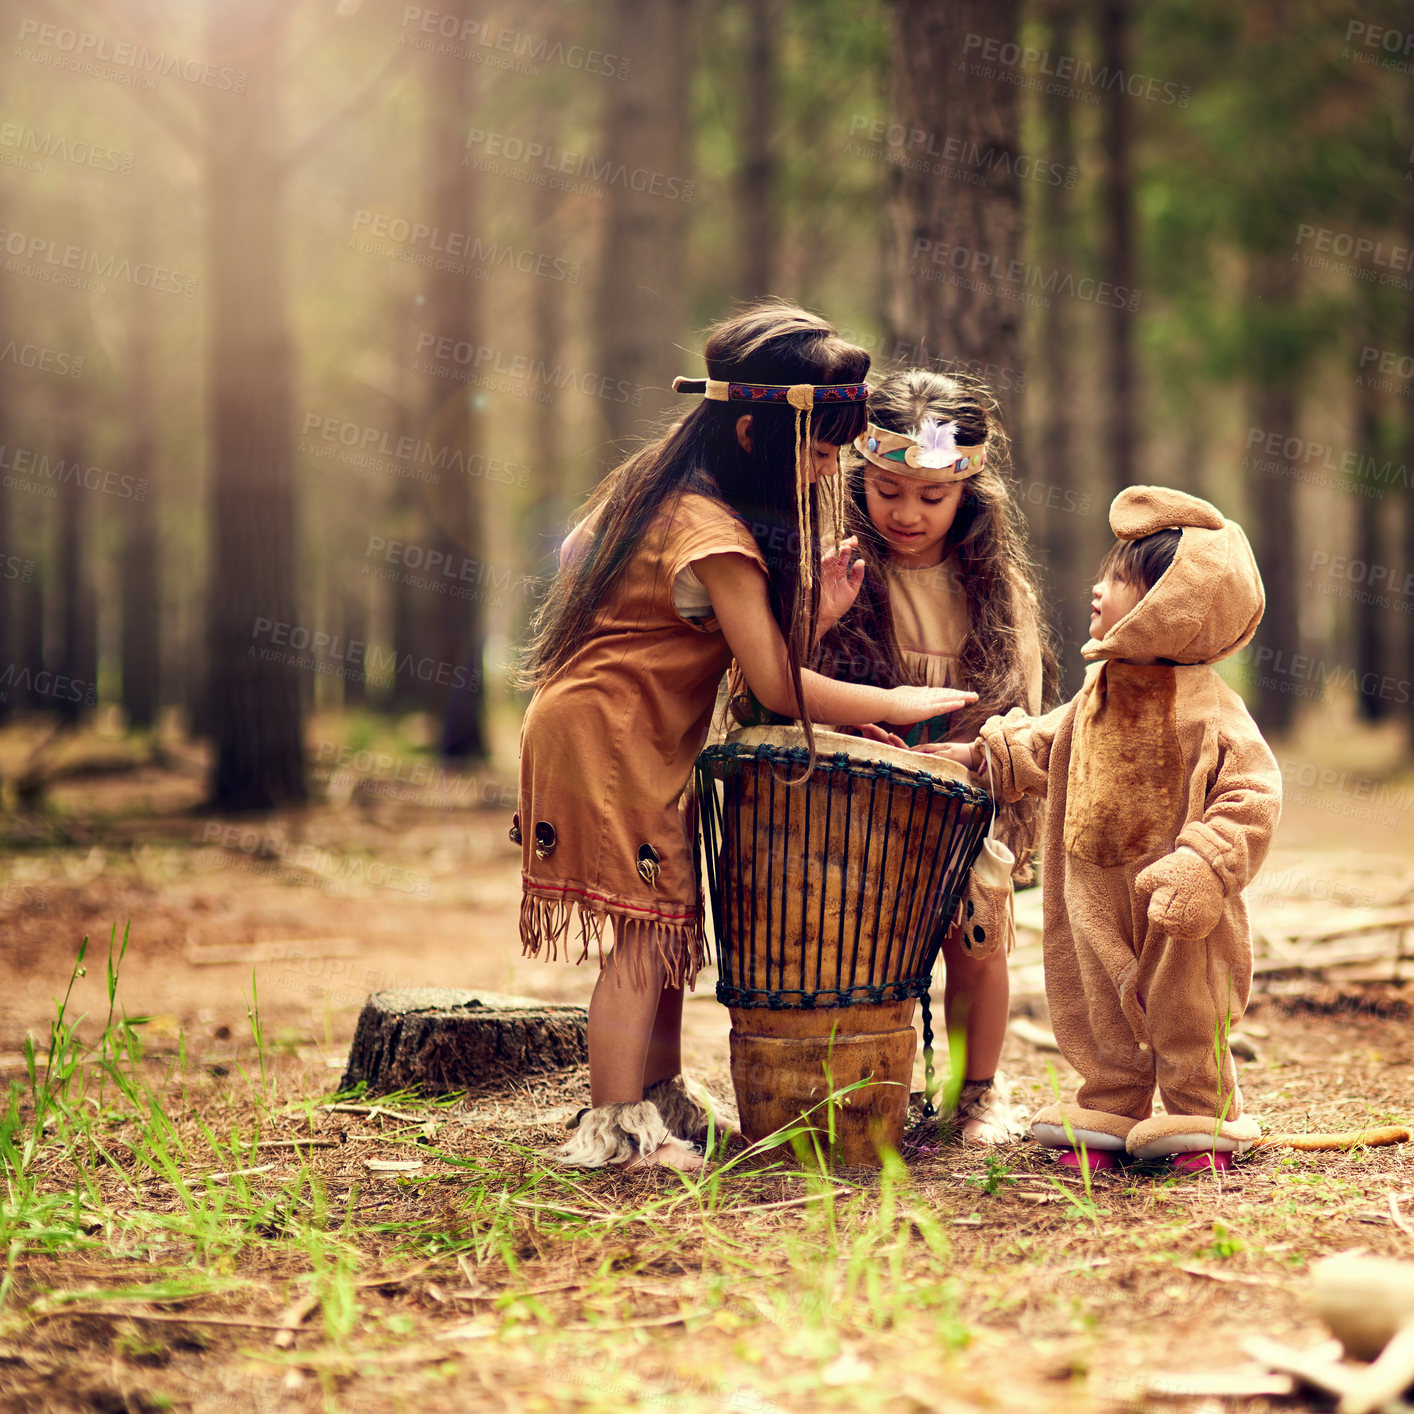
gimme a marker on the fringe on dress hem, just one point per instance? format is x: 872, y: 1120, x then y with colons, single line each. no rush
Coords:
x: 546, y: 924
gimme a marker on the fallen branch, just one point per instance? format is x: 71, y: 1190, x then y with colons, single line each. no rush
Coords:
x: 1398, y: 1218
x: 509, y: 1291
x: 396, y: 1278
x: 785, y: 1203
x: 293, y: 1318
x: 1231, y: 1277
x: 1386, y: 1379
x: 587, y: 1327
x: 222, y: 1176
x: 1322, y: 1367
x: 161, y: 1316
x: 375, y: 1110
x: 1232, y: 1384
x: 1330, y: 1143
x: 577, y: 1212
x: 1037, y: 1036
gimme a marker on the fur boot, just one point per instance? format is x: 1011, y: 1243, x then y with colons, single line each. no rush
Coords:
x: 986, y: 1115
x: 613, y: 1134
x: 685, y: 1106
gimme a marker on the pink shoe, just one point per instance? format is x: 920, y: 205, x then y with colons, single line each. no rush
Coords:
x: 1202, y: 1163
x: 1095, y: 1159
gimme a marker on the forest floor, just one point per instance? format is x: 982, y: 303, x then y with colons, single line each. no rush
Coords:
x: 191, y: 1227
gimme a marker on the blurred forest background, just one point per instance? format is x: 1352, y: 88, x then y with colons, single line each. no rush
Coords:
x: 318, y: 318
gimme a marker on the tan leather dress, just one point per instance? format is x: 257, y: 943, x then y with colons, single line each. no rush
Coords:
x: 607, y: 749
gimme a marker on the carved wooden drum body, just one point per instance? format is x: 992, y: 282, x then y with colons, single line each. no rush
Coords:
x: 829, y: 902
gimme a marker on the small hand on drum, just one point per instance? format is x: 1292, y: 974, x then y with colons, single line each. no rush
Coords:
x: 952, y: 751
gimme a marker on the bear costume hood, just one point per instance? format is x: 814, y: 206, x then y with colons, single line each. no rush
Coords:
x: 1207, y: 604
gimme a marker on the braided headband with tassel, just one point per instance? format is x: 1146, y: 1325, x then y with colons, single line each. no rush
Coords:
x: 803, y: 397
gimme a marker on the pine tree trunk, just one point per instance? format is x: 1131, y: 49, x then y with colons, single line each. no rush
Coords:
x: 1371, y: 648
x: 11, y: 584
x: 139, y: 592
x: 1408, y: 557
x: 957, y: 247
x: 554, y: 500
x: 642, y: 298
x: 32, y: 610
x: 1271, y: 482
x: 254, y: 701
x: 70, y: 692
x: 1061, y: 543
x: 355, y: 630
x: 453, y: 628
x: 1118, y: 245
x: 756, y: 189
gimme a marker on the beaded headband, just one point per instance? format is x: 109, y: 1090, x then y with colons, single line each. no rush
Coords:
x: 798, y: 395
x: 929, y: 454
x: 804, y: 398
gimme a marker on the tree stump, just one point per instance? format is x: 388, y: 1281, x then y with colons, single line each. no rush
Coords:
x: 440, y: 1039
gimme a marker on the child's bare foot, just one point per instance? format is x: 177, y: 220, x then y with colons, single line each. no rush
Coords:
x: 669, y: 1154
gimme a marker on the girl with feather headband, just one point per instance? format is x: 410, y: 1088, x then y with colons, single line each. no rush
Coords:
x: 949, y: 601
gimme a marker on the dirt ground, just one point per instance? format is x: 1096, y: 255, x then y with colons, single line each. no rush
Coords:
x: 400, y: 876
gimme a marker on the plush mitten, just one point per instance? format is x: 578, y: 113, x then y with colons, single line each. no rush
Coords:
x: 1185, y: 895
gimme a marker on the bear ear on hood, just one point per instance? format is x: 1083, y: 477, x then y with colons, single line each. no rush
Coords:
x: 1142, y: 510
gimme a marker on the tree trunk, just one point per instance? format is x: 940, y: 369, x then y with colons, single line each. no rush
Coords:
x: 139, y: 592
x: 255, y: 634
x: 1061, y: 542
x: 957, y: 247
x: 1408, y: 557
x: 449, y: 673
x: 1118, y: 245
x: 642, y: 296
x: 440, y: 1040
x: 1369, y: 615
x: 355, y: 630
x: 555, y: 499
x: 1271, y: 483
x: 32, y: 629
x: 11, y: 583
x: 74, y: 689
x: 756, y: 188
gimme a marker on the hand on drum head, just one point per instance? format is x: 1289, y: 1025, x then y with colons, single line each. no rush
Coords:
x: 907, y: 705
x: 872, y: 733
x: 952, y: 751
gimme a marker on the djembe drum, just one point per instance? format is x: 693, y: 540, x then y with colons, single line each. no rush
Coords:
x: 829, y: 902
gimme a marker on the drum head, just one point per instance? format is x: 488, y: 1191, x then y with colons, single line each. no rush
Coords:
x: 857, y: 749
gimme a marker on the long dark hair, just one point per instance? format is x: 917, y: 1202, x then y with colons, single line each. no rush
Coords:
x: 995, y: 571
x: 769, y: 342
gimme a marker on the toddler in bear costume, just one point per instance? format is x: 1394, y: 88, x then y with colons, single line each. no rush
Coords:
x: 1163, y: 801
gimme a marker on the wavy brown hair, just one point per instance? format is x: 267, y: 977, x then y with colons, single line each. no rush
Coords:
x: 994, y: 571
x: 768, y: 342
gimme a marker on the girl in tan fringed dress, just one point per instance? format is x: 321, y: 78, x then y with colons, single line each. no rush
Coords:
x: 701, y: 548
x: 954, y: 605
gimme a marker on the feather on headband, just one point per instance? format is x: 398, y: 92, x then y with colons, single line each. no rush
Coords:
x: 928, y: 453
